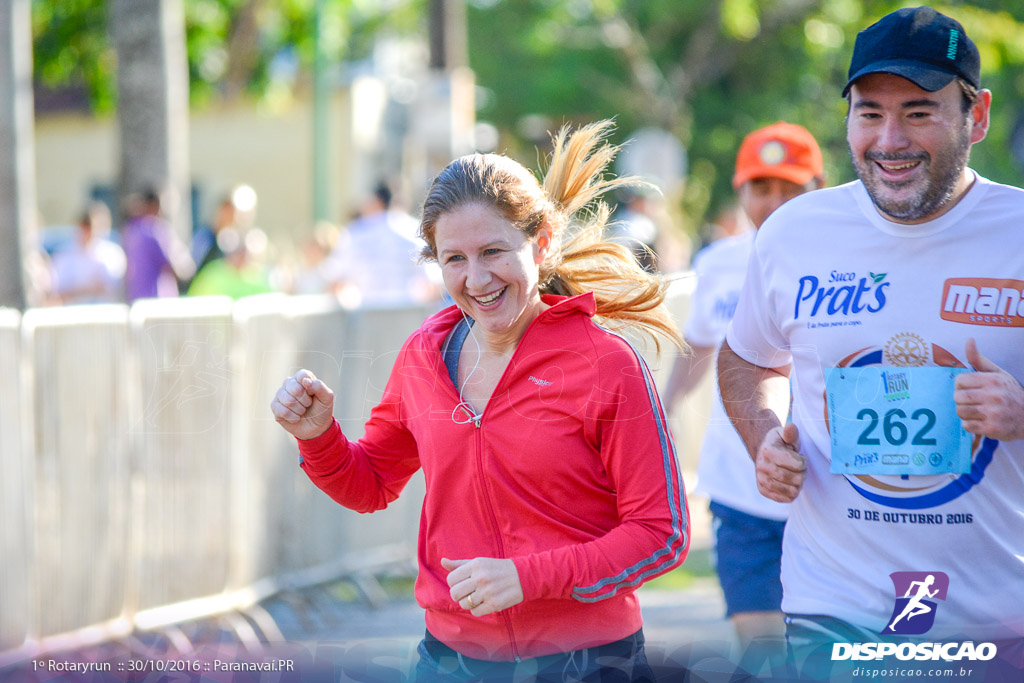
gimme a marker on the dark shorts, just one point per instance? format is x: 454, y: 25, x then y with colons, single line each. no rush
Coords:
x: 748, y: 555
x: 623, y: 661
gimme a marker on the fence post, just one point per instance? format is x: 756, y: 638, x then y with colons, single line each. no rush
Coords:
x: 182, y: 461
x: 15, y: 490
x: 79, y: 415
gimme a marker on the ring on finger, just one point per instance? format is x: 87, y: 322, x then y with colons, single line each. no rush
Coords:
x: 469, y: 598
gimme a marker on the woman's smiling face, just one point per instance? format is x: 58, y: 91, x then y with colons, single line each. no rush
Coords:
x: 490, y: 268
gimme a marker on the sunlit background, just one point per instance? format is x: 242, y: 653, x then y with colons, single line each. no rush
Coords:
x: 144, y: 482
x: 311, y: 102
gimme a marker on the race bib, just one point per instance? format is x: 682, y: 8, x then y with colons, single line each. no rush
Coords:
x: 896, y: 420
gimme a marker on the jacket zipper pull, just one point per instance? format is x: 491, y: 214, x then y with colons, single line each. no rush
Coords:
x: 470, y: 413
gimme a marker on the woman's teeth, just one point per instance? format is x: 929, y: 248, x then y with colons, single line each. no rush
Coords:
x: 490, y: 298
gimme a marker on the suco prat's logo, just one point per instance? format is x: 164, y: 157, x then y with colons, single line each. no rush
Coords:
x: 916, y: 593
x: 840, y: 294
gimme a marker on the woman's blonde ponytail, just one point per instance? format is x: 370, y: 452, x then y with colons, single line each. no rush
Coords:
x: 584, y: 260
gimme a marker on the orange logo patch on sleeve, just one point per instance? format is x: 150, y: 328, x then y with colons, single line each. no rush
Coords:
x: 983, y: 301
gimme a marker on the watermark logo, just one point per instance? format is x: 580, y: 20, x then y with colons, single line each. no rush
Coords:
x: 916, y: 595
x: 912, y: 615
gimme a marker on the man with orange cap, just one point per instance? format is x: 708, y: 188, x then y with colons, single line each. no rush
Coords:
x: 774, y: 164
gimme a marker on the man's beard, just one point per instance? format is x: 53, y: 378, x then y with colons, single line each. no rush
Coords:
x: 941, y: 175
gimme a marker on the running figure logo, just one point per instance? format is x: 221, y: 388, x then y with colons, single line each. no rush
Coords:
x: 916, y: 592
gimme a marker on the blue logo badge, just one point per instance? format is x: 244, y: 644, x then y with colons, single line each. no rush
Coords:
x: 916, y: 593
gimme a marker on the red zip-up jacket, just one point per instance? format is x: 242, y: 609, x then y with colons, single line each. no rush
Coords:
x: 570, y: 472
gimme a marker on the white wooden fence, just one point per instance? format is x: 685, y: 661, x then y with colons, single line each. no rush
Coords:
x: 143, y: 480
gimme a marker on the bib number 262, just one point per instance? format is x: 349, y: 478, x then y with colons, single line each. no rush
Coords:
x: 894, y: 427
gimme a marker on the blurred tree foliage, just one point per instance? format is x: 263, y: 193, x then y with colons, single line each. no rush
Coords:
x: 708, y: 70
x: 711, y: 71
x: 235, y: 47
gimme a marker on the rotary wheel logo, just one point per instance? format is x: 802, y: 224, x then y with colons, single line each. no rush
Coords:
x: 907, y: 350
x: 772, y: 153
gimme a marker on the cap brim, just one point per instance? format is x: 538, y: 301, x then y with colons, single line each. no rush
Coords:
x: 800, y: 175
x: 924, y: 76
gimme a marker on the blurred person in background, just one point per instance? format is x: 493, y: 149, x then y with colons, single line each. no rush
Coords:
x: 157, y: 260
x: 239, y: 272
x: 634, y: 228
x: 774, y: 164
x: 730, y: 221
x: 314, y: 273
x: 552, y: 485
x: 643, y: 223
x: 375, y: 259
x: 236, y: 211
x: 91, y: 268
x: 38, y: 277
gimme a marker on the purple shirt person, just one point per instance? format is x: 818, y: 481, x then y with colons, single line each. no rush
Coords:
x: 157, y: 260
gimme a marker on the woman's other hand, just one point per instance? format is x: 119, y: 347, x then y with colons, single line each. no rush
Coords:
x: 484, y: 585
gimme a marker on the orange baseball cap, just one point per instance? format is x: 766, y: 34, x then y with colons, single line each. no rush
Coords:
x: 781, y: 150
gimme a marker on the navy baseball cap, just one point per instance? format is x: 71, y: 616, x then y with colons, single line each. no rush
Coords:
x: 925, y: 47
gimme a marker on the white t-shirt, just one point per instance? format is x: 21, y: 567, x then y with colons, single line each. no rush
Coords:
x: 378, y: 254
x: 98, y: 266
x: 725, y: 472
x: 830, y: 283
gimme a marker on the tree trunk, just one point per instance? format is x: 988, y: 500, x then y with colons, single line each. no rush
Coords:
x: 448, y: 49
x: 152, y: 111
x: 17, y: 156
x: 243, y: 49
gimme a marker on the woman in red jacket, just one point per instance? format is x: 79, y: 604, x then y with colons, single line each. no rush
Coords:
x: 552, y: 486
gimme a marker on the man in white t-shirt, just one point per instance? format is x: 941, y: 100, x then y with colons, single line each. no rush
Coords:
x: 91, y: 269
x: 893, y: 304
x: 774, y: 164
x: 375, y: 262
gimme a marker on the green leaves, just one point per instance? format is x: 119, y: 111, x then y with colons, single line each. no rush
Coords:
x: 740, y: 19
x: 877, y: 277
x: 709, y: 70
x: 71, y: 49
